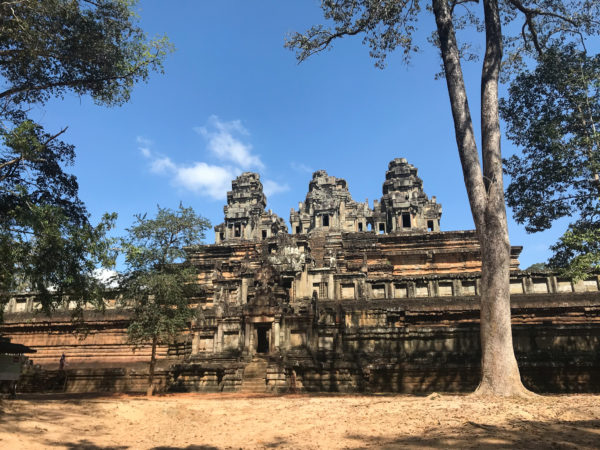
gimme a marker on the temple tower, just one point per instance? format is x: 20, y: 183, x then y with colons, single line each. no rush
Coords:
x: 329, y: 207
x: 245, y: 215
x: 404, y: 205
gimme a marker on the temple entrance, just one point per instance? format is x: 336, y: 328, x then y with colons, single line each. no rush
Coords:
x: 263, y: 332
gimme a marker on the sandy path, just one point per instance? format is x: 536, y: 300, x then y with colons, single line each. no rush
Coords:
x: 197, y: 421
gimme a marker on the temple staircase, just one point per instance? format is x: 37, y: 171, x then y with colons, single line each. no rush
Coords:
x: 255, y: 376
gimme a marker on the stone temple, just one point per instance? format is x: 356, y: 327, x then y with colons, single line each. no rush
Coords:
x: 351, y: 298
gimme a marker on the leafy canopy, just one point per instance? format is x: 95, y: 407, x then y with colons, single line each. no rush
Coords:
x: 385, y: 26
x: 47, y: 244
x: 553, y: 114
x: 48, y: 49
x: 87, y: 47
x: 158, y: 282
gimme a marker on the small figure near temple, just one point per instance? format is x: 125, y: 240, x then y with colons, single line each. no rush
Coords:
x: 292, y: 382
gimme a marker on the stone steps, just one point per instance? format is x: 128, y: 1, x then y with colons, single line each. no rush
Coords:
x: 255, y: 376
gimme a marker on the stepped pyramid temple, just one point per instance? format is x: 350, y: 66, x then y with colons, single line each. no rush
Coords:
x: 350, y: 298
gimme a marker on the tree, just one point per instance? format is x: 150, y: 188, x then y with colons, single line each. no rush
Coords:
x: 387, y: 25
x: 553, y: 114
x: 48, y: 49
x: 538, y: 267
x: 158, y: 283
x: 51, y: 47
x: 47, y: 244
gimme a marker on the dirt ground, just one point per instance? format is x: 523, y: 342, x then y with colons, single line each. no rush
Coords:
x: 208, y: 421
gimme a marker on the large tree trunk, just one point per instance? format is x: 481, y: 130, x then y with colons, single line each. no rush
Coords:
x: 499, y: 370
x: 500, y: 373
x: 150, y: 390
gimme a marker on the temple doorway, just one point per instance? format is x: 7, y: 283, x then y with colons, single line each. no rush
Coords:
x: 263, y: 332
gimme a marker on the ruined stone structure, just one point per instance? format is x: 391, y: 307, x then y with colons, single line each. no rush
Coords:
x: 245, y: 216
x: 404, y: 206
x: 329, y: 207
x: 337, y: 307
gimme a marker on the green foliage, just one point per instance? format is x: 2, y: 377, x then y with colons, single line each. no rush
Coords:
x: 48, y: 49
x: 577, y: 252
x: 47, y: 244
x: 158, y: 282
x: 537, y: 267
x: 386, y: 26
x: 87, y: 47
x: 553, y: 114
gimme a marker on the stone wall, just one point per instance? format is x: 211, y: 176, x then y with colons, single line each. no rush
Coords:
x: 343, y: 309
x: 396, y: 345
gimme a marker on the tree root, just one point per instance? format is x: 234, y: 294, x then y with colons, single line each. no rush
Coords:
x: 518, y: 391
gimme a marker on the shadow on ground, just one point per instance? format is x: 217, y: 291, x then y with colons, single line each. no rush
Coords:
x: 84, y: 444
x: 514, y: 434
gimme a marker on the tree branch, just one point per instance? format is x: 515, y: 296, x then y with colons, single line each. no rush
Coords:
x: 530, y: 14
x: 14, y: 162
x: 538, y: 12
x: 324, y: 43
x: 74, y: 83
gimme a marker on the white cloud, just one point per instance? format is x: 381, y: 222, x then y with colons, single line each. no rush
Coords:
x: 206, y: 179
x: 224, y: 142
x: 271, y: 187
x: 302, y: 168
x: 144, y: 145
x: 107, y: 277
x: 143, y: 141
x: 199, y: 177
x: 162, y: 165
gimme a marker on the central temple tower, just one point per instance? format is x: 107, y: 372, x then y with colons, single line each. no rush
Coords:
x: 329, y: 207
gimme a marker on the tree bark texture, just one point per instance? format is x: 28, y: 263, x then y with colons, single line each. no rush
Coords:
x: 150, y: 390
x: 499, y: 370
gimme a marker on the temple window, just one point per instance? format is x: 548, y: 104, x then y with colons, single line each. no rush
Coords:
x: 323, y: 290
x: 316, y: 289
x: 326, y: 220
x: 405, y: 220
x: 378, y: 291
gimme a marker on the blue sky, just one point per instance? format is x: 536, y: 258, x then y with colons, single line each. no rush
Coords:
x: 232, y: 99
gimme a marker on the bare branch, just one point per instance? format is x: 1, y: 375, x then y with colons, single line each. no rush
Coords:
x: 530, y: 14
x: 538, y: 12
x: 51, y: 138
x: 10, y: 163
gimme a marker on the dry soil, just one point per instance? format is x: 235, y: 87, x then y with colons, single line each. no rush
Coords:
x: 197, y: 421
